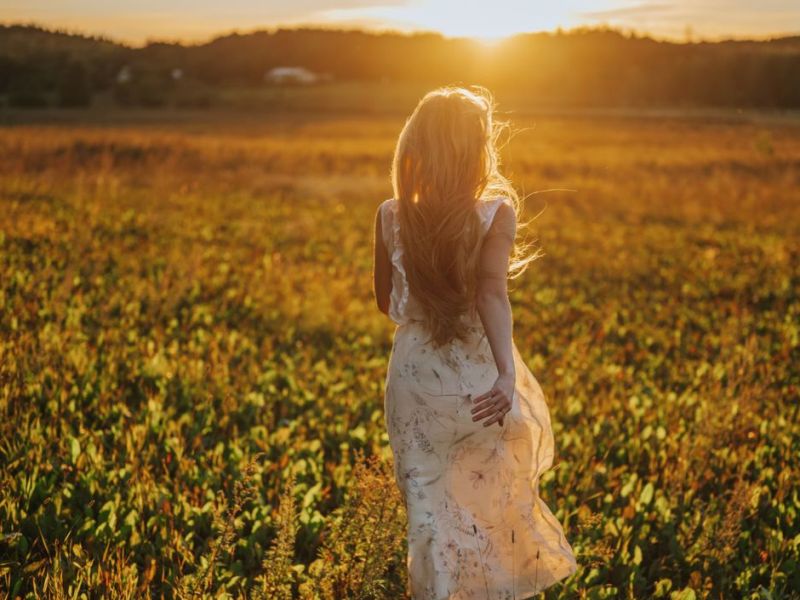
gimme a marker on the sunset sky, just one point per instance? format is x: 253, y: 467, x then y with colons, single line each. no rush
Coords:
x: 135, y: 22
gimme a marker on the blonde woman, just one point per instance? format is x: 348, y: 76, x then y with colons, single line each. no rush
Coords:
x: 467, y: 421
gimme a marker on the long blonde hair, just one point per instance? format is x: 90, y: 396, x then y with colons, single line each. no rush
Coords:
x: 445, y: 162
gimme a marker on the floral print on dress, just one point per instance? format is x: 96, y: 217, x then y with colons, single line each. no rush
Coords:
x: 477, y: 527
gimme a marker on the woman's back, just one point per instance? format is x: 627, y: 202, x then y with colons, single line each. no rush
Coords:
x: 476, y: 524
x: 403, y: 307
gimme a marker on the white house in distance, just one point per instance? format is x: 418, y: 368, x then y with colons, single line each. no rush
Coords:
x: 282, y: 75
x: 125, y: 74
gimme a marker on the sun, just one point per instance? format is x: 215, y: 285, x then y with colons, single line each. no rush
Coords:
x: 488, y: 22
x: 466, y: 19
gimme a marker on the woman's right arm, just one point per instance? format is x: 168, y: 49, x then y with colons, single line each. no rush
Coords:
x: 381, y: 268
x: 494, y: 309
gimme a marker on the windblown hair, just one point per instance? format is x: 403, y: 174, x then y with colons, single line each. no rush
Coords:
x: 445, y: 162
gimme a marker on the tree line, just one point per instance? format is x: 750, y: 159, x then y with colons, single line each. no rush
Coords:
x: 580, y: 67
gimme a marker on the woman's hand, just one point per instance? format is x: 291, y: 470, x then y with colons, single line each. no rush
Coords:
x: 495, y: 403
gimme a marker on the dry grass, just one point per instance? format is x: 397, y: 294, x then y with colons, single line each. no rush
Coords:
x: 177, y: 300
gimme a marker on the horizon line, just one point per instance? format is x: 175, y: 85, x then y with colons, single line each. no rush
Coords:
x: 628, y: 32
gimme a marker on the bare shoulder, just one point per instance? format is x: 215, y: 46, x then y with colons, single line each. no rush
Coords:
x: 505, y: 220
x: 505, y: 211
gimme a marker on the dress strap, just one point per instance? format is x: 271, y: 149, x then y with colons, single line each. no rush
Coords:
x: 489, y: 210
x: 387, y: 222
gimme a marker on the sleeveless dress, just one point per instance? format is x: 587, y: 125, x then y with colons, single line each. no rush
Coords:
x: 477, y: 527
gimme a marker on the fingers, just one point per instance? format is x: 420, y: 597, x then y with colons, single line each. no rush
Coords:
x: 497, y: 417
x: 483, y: 397
x: 492, y: 397
x: 480, y: 406
x: 484, y: 413
x: 496, y: 410
x: 492, y: 406
x: 494, y: 419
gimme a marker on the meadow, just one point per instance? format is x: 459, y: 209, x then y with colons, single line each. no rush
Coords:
x: 192, y: 365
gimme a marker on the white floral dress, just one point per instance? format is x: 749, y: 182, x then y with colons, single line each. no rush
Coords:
x: 477, y: 527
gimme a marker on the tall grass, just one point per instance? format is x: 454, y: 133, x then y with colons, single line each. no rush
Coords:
x: 191, y: 366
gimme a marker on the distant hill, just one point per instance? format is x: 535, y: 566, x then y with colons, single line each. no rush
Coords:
x: 22, y: 41
x: 580, y: 67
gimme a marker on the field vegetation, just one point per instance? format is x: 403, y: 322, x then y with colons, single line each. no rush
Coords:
x: 192, y: 366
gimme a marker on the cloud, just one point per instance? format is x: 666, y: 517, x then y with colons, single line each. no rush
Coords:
x: 273, y: 10
x: 714, y: 18
x: 658, y: 9
x: 138, y: 20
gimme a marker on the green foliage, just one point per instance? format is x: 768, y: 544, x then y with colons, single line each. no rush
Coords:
x: 192, y: 366
x: 278, y: 578
x: 28, y: 98
x: 74, y: 89
x: 585, y: 66
x: 364, y: 541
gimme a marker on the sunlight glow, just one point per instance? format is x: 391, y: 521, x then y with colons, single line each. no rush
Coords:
x: 488, y: 22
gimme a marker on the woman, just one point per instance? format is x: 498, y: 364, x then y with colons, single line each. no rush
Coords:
x: 467, y: 421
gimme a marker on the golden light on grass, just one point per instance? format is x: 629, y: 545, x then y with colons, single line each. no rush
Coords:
x: 174, y: 304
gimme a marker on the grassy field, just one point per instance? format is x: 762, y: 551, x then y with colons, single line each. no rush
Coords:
x: 192, y: 367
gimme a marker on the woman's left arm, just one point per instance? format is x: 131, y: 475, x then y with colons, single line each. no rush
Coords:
x: 381, y: 268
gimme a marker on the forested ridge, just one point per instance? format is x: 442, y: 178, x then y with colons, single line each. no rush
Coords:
x: 579, y: 67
